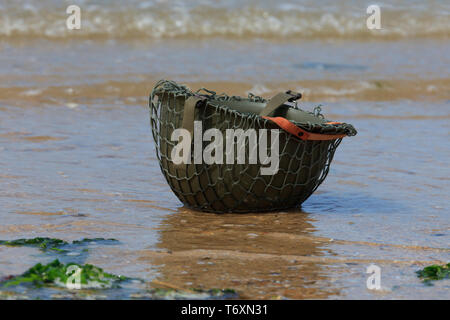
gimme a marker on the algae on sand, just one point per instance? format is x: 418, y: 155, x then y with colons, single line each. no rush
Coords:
x: 434, y: 272
x: 174, y: 294
x: 88, y: 240
x: 42, y: 243
x: 60, y: 275
x: 45, y: 243
x: 57, y: 274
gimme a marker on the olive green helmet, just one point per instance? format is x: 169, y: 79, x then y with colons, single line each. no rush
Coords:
x: 306, y: 145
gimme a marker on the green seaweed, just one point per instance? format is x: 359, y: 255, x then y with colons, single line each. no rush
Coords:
x: 170, y: 293
x: 41, y: 243
x: 434, y: 272
x: 59, y: 250
x: 379, y: 84
x: 53, y: 244
x: 216, y: 291
x: 57, y: 274
x: 88, y: 240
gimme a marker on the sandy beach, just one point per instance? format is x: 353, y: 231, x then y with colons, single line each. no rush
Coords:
x: 77, y: 158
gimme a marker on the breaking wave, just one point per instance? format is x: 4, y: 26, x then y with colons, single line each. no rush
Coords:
x: 190, y: 19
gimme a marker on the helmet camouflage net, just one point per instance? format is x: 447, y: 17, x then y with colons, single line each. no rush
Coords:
x: 240, y: 187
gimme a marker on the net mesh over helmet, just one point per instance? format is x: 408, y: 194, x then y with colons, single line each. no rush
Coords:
x: 240, y: 187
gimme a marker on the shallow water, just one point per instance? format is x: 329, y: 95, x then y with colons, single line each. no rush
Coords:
x: 91, y: 172
x: 77, y: 161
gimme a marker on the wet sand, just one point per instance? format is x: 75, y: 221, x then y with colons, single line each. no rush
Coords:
x: 90, y: 171
x: 77, y: 161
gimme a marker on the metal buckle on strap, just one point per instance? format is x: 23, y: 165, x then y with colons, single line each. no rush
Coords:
x: 295, y: 95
